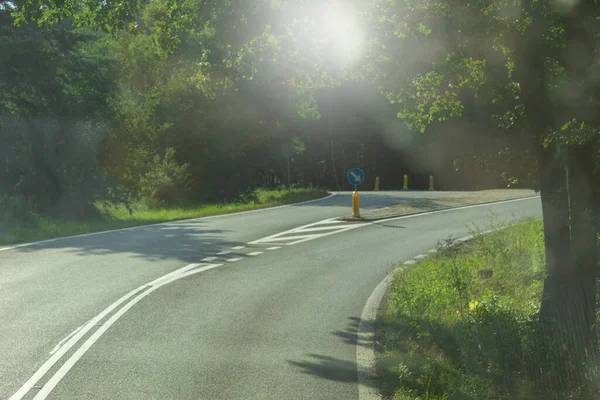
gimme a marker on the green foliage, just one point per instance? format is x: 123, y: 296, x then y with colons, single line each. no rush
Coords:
x: 166, y: 182
x: 18, y: 224
x: 450, y: 330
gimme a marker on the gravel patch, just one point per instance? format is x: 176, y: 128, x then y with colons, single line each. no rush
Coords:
x: 447, y: 200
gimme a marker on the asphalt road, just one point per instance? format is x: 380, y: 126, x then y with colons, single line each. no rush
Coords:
x: 255, y: 319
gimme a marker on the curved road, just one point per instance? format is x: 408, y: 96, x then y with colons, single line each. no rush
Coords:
x: 257, y: 305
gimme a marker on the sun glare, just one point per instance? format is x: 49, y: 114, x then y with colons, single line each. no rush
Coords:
x: 340, y: 27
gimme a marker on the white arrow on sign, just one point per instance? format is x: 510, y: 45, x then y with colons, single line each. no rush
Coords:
x: 355, y: 176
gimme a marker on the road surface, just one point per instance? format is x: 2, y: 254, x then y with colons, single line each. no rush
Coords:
x: 258, y: 305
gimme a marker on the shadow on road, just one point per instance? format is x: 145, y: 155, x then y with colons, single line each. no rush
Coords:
x: 185, y: 240
x: 328, y: 368
x: 331, y: 368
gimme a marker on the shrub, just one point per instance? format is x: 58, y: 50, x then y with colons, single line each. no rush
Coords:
x: 16, y: 210
x: 166, y: 183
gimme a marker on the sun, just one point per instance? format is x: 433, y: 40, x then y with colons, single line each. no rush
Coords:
x: 340, y: 28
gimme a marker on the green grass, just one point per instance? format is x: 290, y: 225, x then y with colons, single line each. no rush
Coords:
x: 452, y: 331
x: 119, y: 217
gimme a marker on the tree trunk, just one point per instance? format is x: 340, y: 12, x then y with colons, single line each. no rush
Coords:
x: 567, y: 313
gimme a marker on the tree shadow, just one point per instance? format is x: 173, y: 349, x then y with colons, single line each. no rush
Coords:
x: 187, y: 241
x: 327, y: 367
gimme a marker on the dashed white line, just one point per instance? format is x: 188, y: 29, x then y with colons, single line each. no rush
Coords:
x: 235, y: 259
x: 223, y: 253
x: 238, y: 247
x: 255, y: 253
x: 274, y: 248
x: 209, y: 259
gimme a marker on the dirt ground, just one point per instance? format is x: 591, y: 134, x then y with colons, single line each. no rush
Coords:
x: 452, y: 199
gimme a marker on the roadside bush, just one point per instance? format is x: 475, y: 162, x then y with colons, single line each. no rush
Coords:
x: 166, y: 183
x: 16, y: 210
x: 463, y: 324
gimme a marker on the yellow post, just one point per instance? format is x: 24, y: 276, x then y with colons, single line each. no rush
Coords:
x: 431, y: 182
x: 355, y: 204
x: 405, y: 187
x: 377, y: 183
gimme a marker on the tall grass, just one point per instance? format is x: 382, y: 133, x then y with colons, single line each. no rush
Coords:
x: 40, y: 227
x: 463, y: 324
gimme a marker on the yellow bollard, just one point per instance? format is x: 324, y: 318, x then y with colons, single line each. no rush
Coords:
x: 377, y: 183
x: 355, y: 204
x: 405, y: 187
x: 431, y: 182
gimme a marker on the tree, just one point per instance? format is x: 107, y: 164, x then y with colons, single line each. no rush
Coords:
x: 530, y: 68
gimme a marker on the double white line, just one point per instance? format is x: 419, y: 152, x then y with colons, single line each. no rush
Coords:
x: 130, y: 299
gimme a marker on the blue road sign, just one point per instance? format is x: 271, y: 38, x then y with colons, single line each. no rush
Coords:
x: 356, y: 176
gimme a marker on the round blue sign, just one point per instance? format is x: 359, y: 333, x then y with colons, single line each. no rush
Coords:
x: 356, y: 176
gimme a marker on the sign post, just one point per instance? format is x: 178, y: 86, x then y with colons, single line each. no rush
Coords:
x: 356, y: 176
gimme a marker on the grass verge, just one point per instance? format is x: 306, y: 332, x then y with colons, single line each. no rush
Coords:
x: 462, y: 324
x: 119, y: 217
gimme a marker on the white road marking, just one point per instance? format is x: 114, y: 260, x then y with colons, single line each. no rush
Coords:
x: 141, y: 292
x: 284, y: 238
x: 209, y: 259
x: 333, y: 221
x: 255, y: 253
x: 223, y: 253
x: 267, y: 239
x: 410, y: 262
x: 325, y: 234
x: 235, y: 259
x: 238, y: 247
x: 432, y: 251
x: 319, y: 228
x: 420, y: 257
x: 274, y: 248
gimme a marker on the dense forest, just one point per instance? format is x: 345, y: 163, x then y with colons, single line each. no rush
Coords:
x: 175, y: 101
x: 176, y: 106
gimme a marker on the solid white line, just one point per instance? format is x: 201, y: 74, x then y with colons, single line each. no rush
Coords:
x: 274, y: 248
x: 235, y: 259
x: 493, y: 203
x: 75, y: 337
x: 365, y: 351
x: 64, y: 369
x: 223, y: 253
x: 255, y: 253
x: 410, y: 262
x: 16, y: 246
x: 209, y: 259
x: 238, y: 247
x: 419, y: 257
x: 70, y: 343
